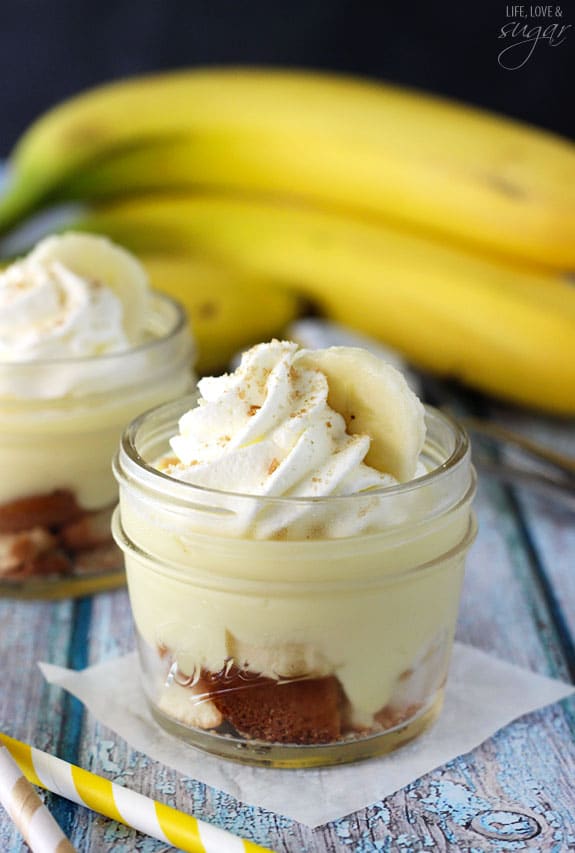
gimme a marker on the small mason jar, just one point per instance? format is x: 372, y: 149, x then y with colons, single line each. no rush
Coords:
x: 60, y: 423
x: 293, y: 652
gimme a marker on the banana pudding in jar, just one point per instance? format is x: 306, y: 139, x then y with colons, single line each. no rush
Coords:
x: 85, y: 345
x: 294, y: 538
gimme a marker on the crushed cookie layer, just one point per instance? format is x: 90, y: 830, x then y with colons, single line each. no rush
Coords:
x: 50, y: 534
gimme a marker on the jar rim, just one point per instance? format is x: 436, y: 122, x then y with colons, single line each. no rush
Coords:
x: 180, y: 321
x: 185, y: 491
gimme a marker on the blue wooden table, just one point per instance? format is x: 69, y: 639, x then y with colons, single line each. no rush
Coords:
x: 514, y: 792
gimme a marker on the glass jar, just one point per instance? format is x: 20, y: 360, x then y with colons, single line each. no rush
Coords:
x: 60, y: 423
x: 293, y: 652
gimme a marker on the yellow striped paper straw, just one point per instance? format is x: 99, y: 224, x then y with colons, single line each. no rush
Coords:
x: 155, y: 819
x: 41, y: 832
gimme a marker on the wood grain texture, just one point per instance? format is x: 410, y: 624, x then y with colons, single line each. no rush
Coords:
x: 514, y: 792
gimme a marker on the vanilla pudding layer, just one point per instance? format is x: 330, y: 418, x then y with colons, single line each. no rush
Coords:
x: 367, y: 633
x: 60, y: 419
x: 375, y: 610
x: 70, y: 446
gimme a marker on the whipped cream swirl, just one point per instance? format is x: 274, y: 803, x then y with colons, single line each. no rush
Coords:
x: 268, y: 430
x: 48, y: 311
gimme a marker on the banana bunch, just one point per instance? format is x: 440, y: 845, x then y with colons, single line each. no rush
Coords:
x: 442, y: 230
x: 505, y: 331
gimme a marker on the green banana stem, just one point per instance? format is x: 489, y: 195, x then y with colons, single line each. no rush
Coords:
x: 32, y: 186
x: 23, y: 195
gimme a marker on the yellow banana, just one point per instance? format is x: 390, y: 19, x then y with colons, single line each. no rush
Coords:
x: 501, y: 330
x: 367, y: 147
x: 227, y: 311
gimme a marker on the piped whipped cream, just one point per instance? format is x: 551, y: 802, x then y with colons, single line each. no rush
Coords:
x: 267, y: 430
x: 49, y: 311
x: 74, y: 299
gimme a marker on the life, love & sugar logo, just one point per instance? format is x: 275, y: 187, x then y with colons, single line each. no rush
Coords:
x: 527, y: 29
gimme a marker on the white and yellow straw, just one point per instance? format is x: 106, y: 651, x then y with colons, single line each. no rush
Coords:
x: 155, y: 819
x: 41, y: 832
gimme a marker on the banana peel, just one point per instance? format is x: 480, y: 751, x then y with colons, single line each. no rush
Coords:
x: 499, y: 329
x: 368, y: 148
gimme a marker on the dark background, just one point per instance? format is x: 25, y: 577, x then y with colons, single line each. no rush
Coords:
x: 50, y: 49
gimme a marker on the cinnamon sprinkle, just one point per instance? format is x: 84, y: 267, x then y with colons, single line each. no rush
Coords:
x: 274, y: 465
x: 166, y: 463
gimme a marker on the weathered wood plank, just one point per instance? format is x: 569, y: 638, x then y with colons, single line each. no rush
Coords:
x: 550, y: 527
x: 31, y: 710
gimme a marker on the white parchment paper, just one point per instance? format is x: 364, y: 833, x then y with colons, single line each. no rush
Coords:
x: 482, y: 696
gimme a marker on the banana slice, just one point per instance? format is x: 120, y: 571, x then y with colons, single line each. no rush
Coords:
x: 375, y: 400
x: 97, y: 258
